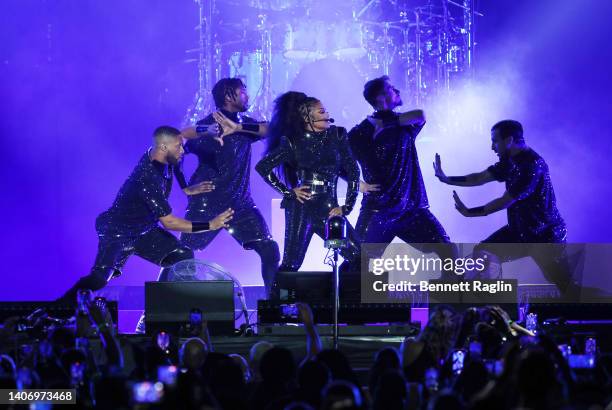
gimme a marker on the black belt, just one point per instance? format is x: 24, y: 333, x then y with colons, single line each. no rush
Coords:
x: 316, y: 182
x: 317, y: 186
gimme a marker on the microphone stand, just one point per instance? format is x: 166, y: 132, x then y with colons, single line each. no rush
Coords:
x: 335, y: 239
x: 336, y: 285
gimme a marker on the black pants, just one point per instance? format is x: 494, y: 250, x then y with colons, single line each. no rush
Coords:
x: 546, y: 249
x: 304, y: 220
x: 158, y: 246
x: 249, y: 229
x: 418, y: 227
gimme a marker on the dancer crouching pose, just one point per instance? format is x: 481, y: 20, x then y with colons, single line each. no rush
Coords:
x: 131, y: 225
x: 533, y: 217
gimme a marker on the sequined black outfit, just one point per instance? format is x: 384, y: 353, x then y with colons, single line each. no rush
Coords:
x: 534, y: 216
x: 130, y: 226
x: 319, y: 158
x: 532, y: 219
x: 228, y: 167
x: 400, y: 208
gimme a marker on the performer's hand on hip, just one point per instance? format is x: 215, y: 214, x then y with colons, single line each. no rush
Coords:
x: 337, y: 211
x: 460, y: 206
x: 199, y: 188
x: 366, y: 188
x: 302, y: 193
x: 438, y: 169
x: 221, y: 220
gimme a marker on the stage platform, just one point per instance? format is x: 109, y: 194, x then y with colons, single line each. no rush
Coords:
x: 131, y: 302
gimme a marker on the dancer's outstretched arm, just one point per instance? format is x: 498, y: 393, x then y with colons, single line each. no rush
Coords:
x: 414, y: 117
x: 475, y: 179
x: 495, y: 205
x: 174, y: 223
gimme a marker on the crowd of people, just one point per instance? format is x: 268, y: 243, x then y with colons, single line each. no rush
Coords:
x: 477, y: 359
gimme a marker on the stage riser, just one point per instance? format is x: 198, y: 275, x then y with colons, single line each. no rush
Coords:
x: 346, y: 331
x: 132, y: 297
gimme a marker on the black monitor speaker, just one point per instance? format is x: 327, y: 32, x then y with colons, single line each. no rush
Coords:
x: 168, y: 305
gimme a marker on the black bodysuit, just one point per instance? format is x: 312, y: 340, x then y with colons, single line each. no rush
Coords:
x: 319, y: 158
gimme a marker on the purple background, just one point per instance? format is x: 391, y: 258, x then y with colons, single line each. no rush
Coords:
x: 83, y: 84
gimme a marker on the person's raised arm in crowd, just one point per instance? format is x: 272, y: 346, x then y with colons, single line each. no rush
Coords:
x: 102, y: 319
x: 313, y: 341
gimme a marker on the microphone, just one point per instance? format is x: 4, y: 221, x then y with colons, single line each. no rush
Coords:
x: 330, y: 120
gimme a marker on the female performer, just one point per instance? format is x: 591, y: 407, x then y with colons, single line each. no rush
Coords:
x: 304, y: 158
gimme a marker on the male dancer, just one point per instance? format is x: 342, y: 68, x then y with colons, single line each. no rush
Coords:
x: 130, y: 226
x: 530, y: 201
x: 226, y: 161
x: 384, y: 146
